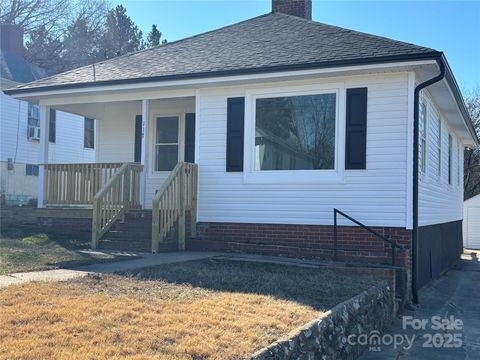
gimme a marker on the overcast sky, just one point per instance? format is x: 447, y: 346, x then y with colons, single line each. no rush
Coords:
x: 449, y: 26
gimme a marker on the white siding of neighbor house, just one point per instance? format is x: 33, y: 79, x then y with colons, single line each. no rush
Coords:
x: 68, y: 147
x: 439, y: 201
x: 376, y: 196
x: 14, y: 144
x: 471, y: 223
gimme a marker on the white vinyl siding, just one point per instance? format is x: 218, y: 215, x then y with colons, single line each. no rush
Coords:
x: 116, y: 135
x: 471, y: 223
x: 14, y: 144
x: 376, y: 196
x: 439, y: 201
x: 18, y: 184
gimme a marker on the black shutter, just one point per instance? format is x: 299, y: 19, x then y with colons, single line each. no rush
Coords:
x: 356, y: 129
x: 235, y: 122
x: 52, y: 126
x: 137, y: 157
x: 190, y: 137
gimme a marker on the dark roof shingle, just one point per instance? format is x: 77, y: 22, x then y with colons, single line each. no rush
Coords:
x: 17, y: 69
x: 269, y: 41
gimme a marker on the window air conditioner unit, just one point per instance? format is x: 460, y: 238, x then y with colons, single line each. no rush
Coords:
x: 33, y: 132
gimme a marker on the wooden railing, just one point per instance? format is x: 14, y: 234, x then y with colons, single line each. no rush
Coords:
x: 177, y: 196
x: 119, y: 194
x: 75, y: 184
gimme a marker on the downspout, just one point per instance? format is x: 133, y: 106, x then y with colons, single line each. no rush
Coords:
x: 416, y: 170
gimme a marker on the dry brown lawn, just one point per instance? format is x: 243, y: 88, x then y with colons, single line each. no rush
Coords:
x: 25, y: 248
x: 193, y: 310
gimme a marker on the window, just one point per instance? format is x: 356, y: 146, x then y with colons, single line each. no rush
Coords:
x: 31, y: 170
x: 459, y: 149
x: 423, y: 137
x: 52, y: 128
x: 89, y: 134
x: 450, y: 158
x: 295, y: 132
x: 166, y: 143
x: 33, y: 115
x: 439, y: 147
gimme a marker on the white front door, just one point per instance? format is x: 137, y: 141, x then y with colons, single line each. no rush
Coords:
x: 167, y: 143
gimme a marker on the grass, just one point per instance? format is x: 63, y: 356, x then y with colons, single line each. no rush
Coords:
x: 209, y: 309
x: 24, y: 248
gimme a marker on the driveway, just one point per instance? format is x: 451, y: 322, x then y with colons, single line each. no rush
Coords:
x: 454, y: 297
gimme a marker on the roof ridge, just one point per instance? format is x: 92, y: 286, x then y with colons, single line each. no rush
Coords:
x: 352, y: 31
x: 86, y: 74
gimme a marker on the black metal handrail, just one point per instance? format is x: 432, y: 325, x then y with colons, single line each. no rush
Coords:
x: 393, y: 245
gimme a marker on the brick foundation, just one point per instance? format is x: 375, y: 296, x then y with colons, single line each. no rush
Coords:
x: 305, y: 241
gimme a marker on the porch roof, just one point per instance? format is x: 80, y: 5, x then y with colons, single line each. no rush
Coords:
x: 271, y: 42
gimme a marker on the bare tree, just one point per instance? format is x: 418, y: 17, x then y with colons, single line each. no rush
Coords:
x: 59, y: 34
x: 472, y: 156
x: 31, y: 15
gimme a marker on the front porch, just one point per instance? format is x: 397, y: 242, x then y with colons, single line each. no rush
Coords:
x: 144, y: 162
x: 105, y: 198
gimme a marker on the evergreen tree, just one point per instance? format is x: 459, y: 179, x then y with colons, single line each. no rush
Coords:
x: 153, y: 38
x: 121, y: 34
x: 80, y: 45
x: 44, y: 50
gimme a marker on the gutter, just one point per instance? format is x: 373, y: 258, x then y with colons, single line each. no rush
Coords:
x: 416, y: 104
x: 220, y: 73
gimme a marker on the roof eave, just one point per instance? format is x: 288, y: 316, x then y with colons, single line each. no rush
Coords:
x: 434, y: 55
x: 452, y: 83
x: 209, y: 74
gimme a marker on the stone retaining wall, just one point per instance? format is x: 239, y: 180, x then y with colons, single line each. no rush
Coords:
x: 325, y: 338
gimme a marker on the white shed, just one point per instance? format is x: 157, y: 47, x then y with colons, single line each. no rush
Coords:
x: 471, y: 223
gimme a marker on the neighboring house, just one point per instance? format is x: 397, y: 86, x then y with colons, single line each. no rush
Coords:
x: 287, y: 119
x: 471, y: 223
x: 20, y: 127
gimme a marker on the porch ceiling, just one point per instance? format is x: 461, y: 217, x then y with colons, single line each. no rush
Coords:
x: 97, y: 110
x: 102, y: 110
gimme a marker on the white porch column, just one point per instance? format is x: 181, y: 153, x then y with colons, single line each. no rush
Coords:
x: 43, y: 156
x: 145, y: 151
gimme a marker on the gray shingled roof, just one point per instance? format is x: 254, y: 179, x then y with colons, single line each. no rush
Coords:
x: 268, y: 42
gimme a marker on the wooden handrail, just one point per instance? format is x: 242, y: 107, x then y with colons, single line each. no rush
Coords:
x: 119, y: 194
x: 177, y: 195
x: 75, y: 184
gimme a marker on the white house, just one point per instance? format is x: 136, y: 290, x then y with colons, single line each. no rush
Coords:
x: 471, y: 223
x: 71, y: 137
x: 286, y: 119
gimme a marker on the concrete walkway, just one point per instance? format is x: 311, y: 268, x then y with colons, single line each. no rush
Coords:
x: 456, y: 294
x: 146, y: 260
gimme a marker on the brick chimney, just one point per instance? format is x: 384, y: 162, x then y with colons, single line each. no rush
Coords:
x: 300, y: 8
x: 11, y: 39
